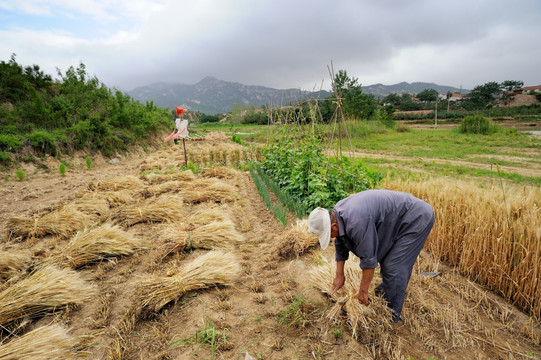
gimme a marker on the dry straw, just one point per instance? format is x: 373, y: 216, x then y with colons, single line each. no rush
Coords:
x: 220, y: 172
x: 295, y: 241
x: 95, y: 245
x: 153, y: 178
x: 44, y: 343
x: 490, y: 234
x: 47, y: 289
x: 92, y: 203
x: 214, y: 234
x: 12, y: 262
x: 210, y: 269
x: 165, y: 208
x: 118, y: 198
x: 63, y: 222
x: 117, y: 183
x: 214, y: 190
x: 219, y: 213
x: 373, y: 321
x: 162, y: 188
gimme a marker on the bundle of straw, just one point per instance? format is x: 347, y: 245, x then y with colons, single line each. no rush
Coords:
x: 214, y: 234
x: 207, y: 215
x: 117, y: 183
x: 295, y: 241
x: 209, y: 190
x: 117, y: 198
x: 64, y: 222
x: 220, y: 172
x: 44, y: 343
x: 153, y: 178
x: 161, y: 188
x: 45, y: 290
x: 374, y: 319
x: 213, y: 268
x: 11, y: 262
x: 94, y: 245
x: 92, y: 203
x: 165, y: 208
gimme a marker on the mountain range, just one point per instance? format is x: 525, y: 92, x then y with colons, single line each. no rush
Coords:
x: 213, y: 96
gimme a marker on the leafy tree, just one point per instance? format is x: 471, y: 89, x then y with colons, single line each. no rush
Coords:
x: 253, y: 117
x: 428, y: 95
x: 484, y: 96
x: 407, y: 104
x: 511, y: 85
x: 209, y: 118
x: 393, y: 99
x: 354, y: 102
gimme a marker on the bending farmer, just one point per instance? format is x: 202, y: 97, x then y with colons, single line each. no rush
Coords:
x: 379, y: 226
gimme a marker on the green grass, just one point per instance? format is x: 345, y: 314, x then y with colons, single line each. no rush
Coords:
x: 208, y: 334
x: 297, y: 313
x: 447, y: 144
x: 417, y: 148
x: 417, y: 169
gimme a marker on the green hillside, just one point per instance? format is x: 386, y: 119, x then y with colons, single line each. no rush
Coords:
x: 39, y: 115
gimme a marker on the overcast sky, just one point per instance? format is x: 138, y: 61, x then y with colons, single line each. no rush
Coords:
x: 278, y: 43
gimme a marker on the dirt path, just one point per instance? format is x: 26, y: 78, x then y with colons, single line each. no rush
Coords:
x: 447, y: 317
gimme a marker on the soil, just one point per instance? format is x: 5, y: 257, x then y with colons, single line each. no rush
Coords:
x: 247, y: 313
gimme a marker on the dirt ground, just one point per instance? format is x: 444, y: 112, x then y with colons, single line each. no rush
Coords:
x: 445, y: 317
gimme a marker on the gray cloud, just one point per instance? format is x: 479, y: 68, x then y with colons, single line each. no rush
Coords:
x: 286, y: 44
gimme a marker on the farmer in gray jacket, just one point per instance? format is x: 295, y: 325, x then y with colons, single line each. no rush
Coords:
x: 379, y: 226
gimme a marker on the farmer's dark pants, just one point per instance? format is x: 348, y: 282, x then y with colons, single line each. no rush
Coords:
x: 396, y: 268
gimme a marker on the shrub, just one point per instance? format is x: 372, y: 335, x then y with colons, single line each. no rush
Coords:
x: 88, y: 162
x: 236, y: 139
x: 10, y: 142
x: 5, y: 158
x: 44, y: 141
x: 62, y: 169
x: 192, y: 167
x: 20, y: 174
x: 259, y: 118
x: 209, y: 119
x: 477, y: 124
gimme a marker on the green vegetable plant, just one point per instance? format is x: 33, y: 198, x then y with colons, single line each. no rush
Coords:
x: 62, y: 169
x: 297, y: 163
x: 20, y: 174
x: 88, y: 161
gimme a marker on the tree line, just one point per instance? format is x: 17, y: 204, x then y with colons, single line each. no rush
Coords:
x: 355, y: 104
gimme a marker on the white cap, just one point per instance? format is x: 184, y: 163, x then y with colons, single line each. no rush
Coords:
x: 319, y: 223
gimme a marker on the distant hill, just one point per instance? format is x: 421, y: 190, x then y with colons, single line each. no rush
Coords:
x: 213, y: 96
x: 380, y: 90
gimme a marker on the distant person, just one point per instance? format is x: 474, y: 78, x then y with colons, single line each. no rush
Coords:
x: 378, y: 226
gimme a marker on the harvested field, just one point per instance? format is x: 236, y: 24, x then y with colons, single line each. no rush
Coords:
x: 165, y: 254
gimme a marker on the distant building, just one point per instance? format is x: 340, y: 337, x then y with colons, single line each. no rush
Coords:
x: 531, y: 89
x: 454, y: 97
x: 525, y: 90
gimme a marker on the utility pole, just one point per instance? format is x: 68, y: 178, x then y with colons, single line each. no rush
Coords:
x: 436, y: 114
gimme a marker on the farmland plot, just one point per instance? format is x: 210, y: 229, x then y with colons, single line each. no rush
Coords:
x: 168, y: 264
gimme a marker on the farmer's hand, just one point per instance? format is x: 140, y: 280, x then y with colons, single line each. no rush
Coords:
x: 338, y: 282
x: 363, y: 297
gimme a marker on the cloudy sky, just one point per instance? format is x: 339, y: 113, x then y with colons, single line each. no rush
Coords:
x: 278, y: 43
